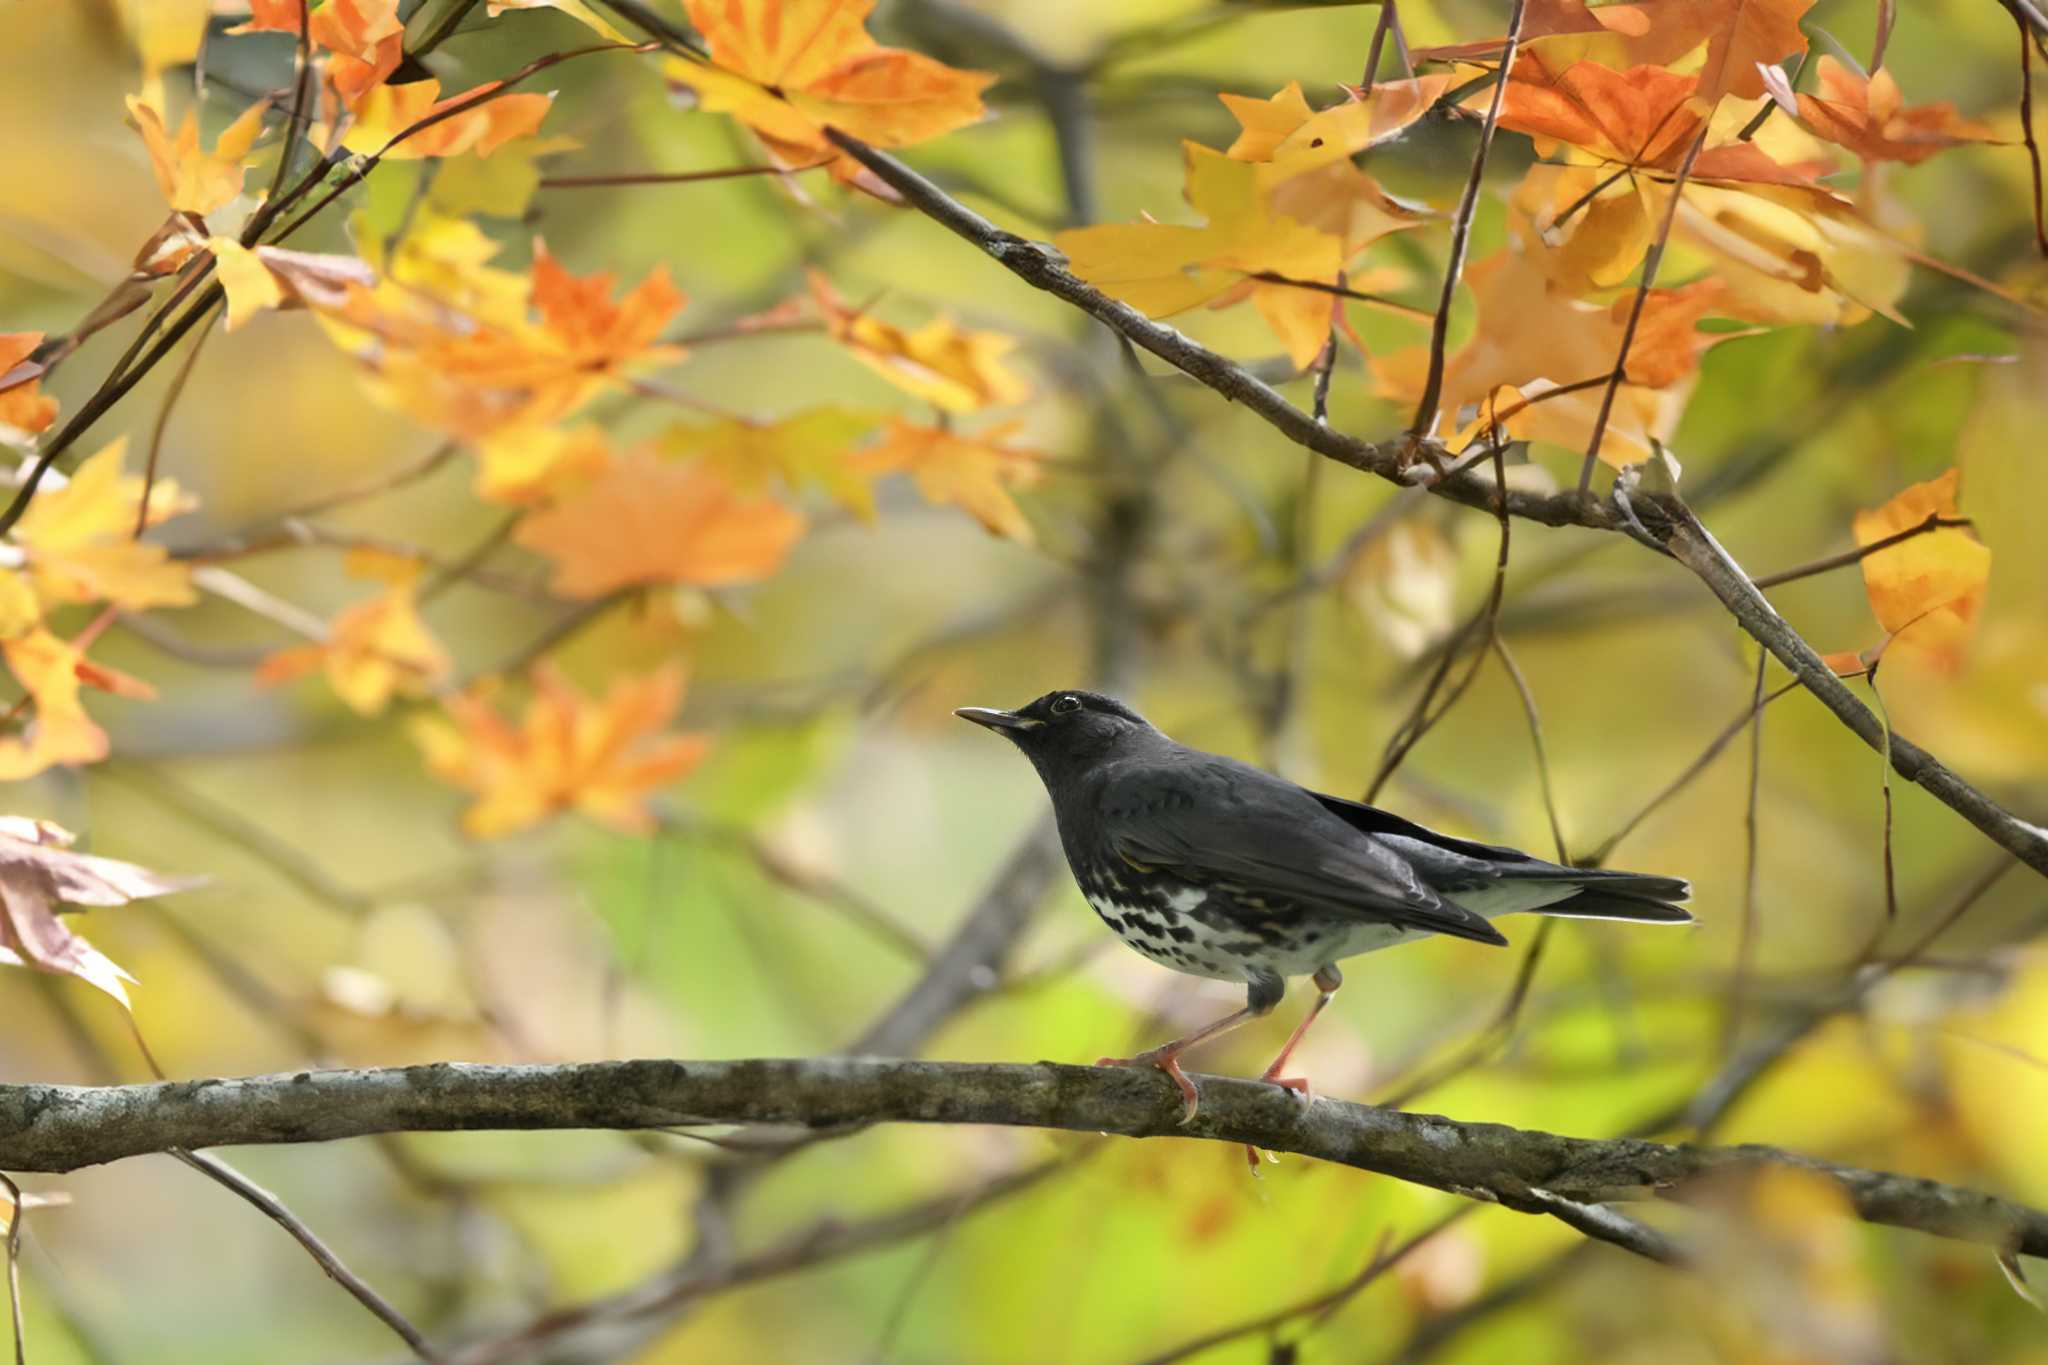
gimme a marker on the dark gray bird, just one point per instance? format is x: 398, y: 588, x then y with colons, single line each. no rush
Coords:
x: 1216, y: 868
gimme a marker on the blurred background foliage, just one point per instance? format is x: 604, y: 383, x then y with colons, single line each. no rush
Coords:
x: 349, y: 921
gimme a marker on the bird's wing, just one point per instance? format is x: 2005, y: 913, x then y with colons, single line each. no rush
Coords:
x: 1214, y: 819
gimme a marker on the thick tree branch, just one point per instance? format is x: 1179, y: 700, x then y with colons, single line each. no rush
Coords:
x: 1663, y: 519
x: 61, y: 1128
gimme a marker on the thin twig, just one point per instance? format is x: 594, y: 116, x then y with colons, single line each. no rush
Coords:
x: 213, y: 1168
x: 2027, y: 128
x: 1319, y: 1305
x: 1745, y: 947
x: 1461, y: 232
x: 1934, y: 522
x: 302, y: 81
x: 1654, y: 259
x: 174, y: 392
x: 590, y: 182
x: 1535, y: 719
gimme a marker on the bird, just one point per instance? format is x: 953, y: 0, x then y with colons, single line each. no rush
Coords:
x: 1219, y: 869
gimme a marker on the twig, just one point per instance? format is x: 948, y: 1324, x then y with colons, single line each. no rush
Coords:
x: 1745, y: 945
x: 1654, y: 259
x: 302, y: 81
x: 1535, y: 719
x: 1934, y: 522
x: 2027, y: 126
x: 1598, y: 857
x: 1461, y: 232
x: 163, y: 421
x: 588, y: 182
x: 213, y: 1168
x: 1319, y: 1305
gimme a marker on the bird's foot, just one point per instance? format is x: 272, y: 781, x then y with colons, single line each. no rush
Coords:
x: 1300, y: 1085
x: 1252, y: 1155
x: 1169, y: 1062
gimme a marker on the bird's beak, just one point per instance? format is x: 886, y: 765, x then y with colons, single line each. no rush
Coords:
x: 997, y: 720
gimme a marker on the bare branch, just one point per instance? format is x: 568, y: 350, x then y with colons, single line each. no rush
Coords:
x: 213, y: 1168
x: 61, y: 1128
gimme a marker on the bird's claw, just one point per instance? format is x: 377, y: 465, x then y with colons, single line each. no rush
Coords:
x: 1303, y: 1089
x: 1169, y: 1062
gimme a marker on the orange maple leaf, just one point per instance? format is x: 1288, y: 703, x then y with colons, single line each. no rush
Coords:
x: 456, y: 344
x: 38, y: 874
x: 568, y: 752
x: 363, y: 39
x: 24, y: 408
x: 974, y: 473
x: 375, y: 648
x: 1926, y: 591
x: 1646, y: 117
x: 1736, y: 36
x: 789, y: 69
x: 1530, y: 337
x: 650, y: 520
x: 940, y: 362
x: 1869, y: 116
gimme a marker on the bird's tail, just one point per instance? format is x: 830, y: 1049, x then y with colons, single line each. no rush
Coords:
x: 1632, y: 896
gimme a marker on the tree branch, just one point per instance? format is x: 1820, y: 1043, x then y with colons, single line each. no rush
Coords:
x: 1664, y: 518
x: 61, y: 1128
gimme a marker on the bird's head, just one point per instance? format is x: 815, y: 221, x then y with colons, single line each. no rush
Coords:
x: 1066, y: 730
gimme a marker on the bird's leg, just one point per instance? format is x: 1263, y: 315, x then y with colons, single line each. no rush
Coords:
x: 1167, y: 1055
x: 1327, y: 979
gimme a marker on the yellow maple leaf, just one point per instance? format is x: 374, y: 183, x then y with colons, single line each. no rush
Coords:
x: 78, y: 541
x: 813, y: 448
x: 51, y: 672
x: 940, y: 362
x: 528, y: 465
x: 602, y: 757
x: 974, y: 473
x: 650, y: 520
x: 376, y: 648
x: 276, y: 277
x: 386, y: 111
x: 789, y: 69
x: 193, y: 181
x: 1926, y: 591
x: 1162, y: 269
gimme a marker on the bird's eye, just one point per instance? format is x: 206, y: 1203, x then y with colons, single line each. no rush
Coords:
x: 1063, y: 705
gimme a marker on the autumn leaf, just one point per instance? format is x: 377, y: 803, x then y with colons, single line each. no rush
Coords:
x: 1646, y: 117
x: 77, y: 543
x: 268, y: 277
x: 1927, y: 590
x: 38, y: 875
x: 569, y: 751
x: 51, y: 671
x: 483, y: 126
x: 1530, y: 337
x: 940, y: 362
x: 457, y: 343
x: 974, y: 473
x: 363, y: 39
x: 1869, y: 116
x: 24, y: 408
x: 194, y: 181
x: 1304, y: 158
x: 646, y: 519
x: 1163, y: 269
x: 789, y: 69
x: 375, y: 649
x: 1732, y: 37
x: 529, y: 465
x: 811, y: 449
